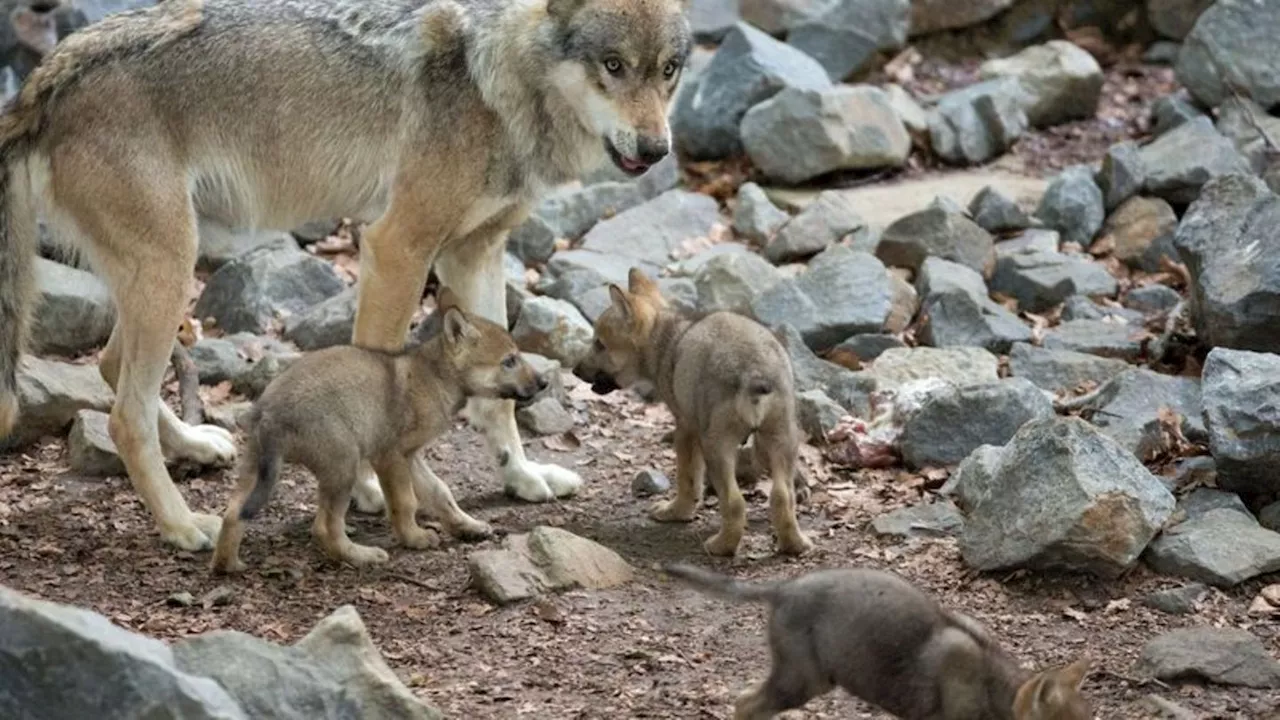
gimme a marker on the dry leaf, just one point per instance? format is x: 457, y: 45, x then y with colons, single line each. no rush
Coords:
x: 564, y: 442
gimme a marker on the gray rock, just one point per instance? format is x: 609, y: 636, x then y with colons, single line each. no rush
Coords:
x: 927, y: 520
x: 800, y: 134
x: 975, y: 124
x: 1227, y: 241
x: 1162, y: 52
x: 1030, y: 240
x: 850, y: 390
x: 570, y: 274
x: 649, y: 481
x: 545, y: 416
x: 952, y: 422
x: 65, y: 662
x: 733, y: 281
x: 935, y: 232
x: 50, y: 393
x: 778, y: 17
x: 1204, y: 500
x: 1171, y: 111
x: 1175, y: 18
x: 1080, y: 307
x: 546, y: 559
x: 335, y: 671
x: 694, y: 264
x: 1073, y: 205
x: 710, y: 20
x: 1180, y: 600
x: 74, y: 313
x: 913, y: 116
x: 327, y: 324
x: 847, y: 36
x: 973, y: 477
x: 1269, y: 516
x: 1231, y: 44
x: 1152, y: 299
x: 1242, y: 416
x: 748, y: 68
x: 1141, y: 232
x: 957, y: 312
x: 819, y: 225
x: 1227, y: 656
x: 869, y: 346
x: 1093, y: 507
x: 930, y: 16
x: 958, y: 366
x: 680, y: 293
x: 569, y: 214
x: 817, y: 414
x: 1040, y: 280
x: 217, y: 359
x: 219, y: 245
x: 1127, y: 408
x: 651, y: 231
x: 844, y: 292
x: 1122, y: 174
x: 90, y: 450
x: 553, y: 328
x: 1060, y: 82
x: 1061, y: 370
x: 755, y: 217
x: 1248, y: 125
x: 996, y: 212
x: 1097, y: 337
x: 1182, y: 160
x: 1222, y: 547
x: 258, y: 288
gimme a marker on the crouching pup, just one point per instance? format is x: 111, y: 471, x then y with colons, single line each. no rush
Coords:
x: 336, y: 408
x: 725, y: 378
x: 888, y: 643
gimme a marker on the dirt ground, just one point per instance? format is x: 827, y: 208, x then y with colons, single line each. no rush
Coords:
x: 645, y: 650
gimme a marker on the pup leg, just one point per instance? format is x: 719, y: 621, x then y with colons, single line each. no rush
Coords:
x: 334, y: 486
x: 144, y: 242
x: 472, y: 268
x: 721, y: 457
x: 396, y: 476
x: 793, y: 678
x: 435, y: 495
x: 226, y: 554
x: 690, y: 476
x: 779, y: 449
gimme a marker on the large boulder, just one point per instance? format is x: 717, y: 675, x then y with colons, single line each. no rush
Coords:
x: 1060, y: 81
x: 937, y: 232
x: 1233, y: 43
x: 1227, y: 241
x: 975, y: 124
x: 1182, y: 160
x: 265, y: 286
x: 1090, y: 505
x: 1241, y: 398
x: 953, y: 421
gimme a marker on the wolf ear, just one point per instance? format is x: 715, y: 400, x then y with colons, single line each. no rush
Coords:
x: 640, y: 284
x: 621, y: 301
x: 457, y: 328
x: 562, y: 10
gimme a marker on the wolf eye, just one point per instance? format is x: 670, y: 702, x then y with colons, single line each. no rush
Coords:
x: 613, y: 66
x: 509, y: 362
x: 669, y: 70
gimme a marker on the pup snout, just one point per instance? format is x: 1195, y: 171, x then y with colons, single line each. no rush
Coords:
x: 651, y: 149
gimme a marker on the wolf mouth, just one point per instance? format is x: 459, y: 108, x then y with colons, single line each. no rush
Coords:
x: 634, y: 168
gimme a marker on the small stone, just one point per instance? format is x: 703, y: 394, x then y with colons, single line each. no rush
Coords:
x: 89, y: 447
x: 732, y: 282
x: 1062, y: 370
x: 218, y: 597
x: 569, y: 214
x: 844, y: 292
x: 570, y: 274
x: 904, y: 304
x: 1122, y: 175
x: 181, y: 599
x: 1171, y: 111
x: 822, y: 223
x: 1060, y: 81
x: 216, y: 360
x: 996, y: 212
x: 850, y: 390
x: 1179, y: 162
x: 1269, y: 517
x: 975, y: 124
x: 649, y: 482
x: 817, y: 414
x: 1081, y: 307
x: 1097, y: 337
x: 1073, y: 205
x: 1181, y: 600
x: 545, y: 416
x: 1248, y: 126
x: 755, y: 217
x: 1175, y: 18
x: 1040, y: 280
x: 1227, y: 656
x: 1141, y: 232
x: 936, y: 232
x: 1129, y: 409
x: 254, y: 291
x: 927, y: 520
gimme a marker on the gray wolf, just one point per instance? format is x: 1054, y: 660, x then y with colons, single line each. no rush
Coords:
x: 440, y: 121
x: 885, y: 641
x: 725, y: 378
x: 336, y: 408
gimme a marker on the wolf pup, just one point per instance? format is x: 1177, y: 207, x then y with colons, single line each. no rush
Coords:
x: 338, y: 407
x: 441, y: 123
x: 886, y: 642
x: 725, y: 378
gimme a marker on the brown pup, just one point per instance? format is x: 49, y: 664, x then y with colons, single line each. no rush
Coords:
x: 725, y: 378
x: 336, y: 408
x: 888, y: 643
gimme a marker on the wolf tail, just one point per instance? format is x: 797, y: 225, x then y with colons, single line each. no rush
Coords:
x: 18, y: 238
x: 722, y: 586
x: 268, y: 472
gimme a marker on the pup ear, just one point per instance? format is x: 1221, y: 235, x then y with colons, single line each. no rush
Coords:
x: 562, y: 10
x: 1073, y: 675
x: 622, y: 302
x: 640, y: 284
x: 457, y: 328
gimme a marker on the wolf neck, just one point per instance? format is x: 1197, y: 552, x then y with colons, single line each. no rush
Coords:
x: 429, y: 366
x: 511, y: 62
x: 659, y: 359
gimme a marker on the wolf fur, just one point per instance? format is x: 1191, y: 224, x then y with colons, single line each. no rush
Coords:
x: 725, y: 378
x: 440, y: 121
x: 338, y: 407
x: 885, y: 641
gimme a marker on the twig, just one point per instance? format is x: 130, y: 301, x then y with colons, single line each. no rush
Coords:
x: 412, y: 581
x: 188, y: 385
x: 1160, y: 346
x: 1080, y: 401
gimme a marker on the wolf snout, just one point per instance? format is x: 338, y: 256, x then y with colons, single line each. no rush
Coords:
x: 651, y: 150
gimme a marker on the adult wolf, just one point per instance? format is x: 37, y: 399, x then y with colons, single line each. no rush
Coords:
x: 440, y: 121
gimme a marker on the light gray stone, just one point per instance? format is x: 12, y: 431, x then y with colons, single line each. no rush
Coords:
x: 1041, y: 280
x: 755, y: 217
x: 844, y: 292
x: 327, y: 324
x: 957, y: 311
x: 651, y: 231
x: 958, y: 366
x: 1180, y: 600
x: 219, y: 245
x: 544, y: 416
x: 90, y: 450
x: 1141, y: 231
x: 553, y: 328
x: 732, y: 282
x: 952, y: 422
x: 1122, y: 174
x: 1227, y: 656
x: 1097, y: 337
x: 1062, y: 370
x: 1182, y: 160
x: 1073, y: 205
x: 649, y: 481
x: 1242, y: 416
x: 1152, y: 299
x: 1221, y: 547
x: 1060, y: 81
x: 74, y: 312
x: 1172, y: 111
x: 977, y: 123
x: 822, y: 223
x: 817, y: 414
x: 936, y: 232
x: 927, y: 520
x: 868, y: 346
x: 996, y: 212
x: 50, y: 393
x: 1127, y: 408
x: 547, y: 559
x: 848, y: 389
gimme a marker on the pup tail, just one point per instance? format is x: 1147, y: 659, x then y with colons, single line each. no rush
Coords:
x: 268, y: 472
x: 18, y: 238
x: 722, y: 586
x: 753, y: 398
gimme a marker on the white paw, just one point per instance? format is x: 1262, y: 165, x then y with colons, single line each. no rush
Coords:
x: 524, y: 482
x: 187, y: 537
x: 562, y: 481
x: 368, y: 494
x: 206, y: 445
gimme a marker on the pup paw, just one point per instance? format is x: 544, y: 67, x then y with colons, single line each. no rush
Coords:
x: 672, y: 511
x: 365, y: 555
x: 469, y: 528
x: 227, y: 566
x: 421, y: 539
x: 722, y: 544
x: 796, y: 544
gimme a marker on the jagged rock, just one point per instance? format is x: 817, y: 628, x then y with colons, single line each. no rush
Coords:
x: 254, y: 382
x: 651, y: 231
x: 90, y: 450
x: 1030, y: 240
x: 1073, y: 205
x: 846, y: 36
x: 1219, y: 546
x: 1177, y: 601
x: 1097, y: 337
x: 1122, y: 174
x: 957, y: 312
x: 1040, y: 280
x: 800, y: 134
x: 1242, y: 417
x: 569, y: 214
x: 74, y: 312
x: 851, y: 390
x: 930, y: 16
x: 843, y: 292
x: 1231, y: 44
x: 1248, y: 125
x: 733, y: 281
x: 1127, y: 408
x: 975, y: 124
x: 1226, y: 240
x: 748, y: 68
x: 553, y: 328
x: 546, y: 559
x: 952, y: 422
x: 817, y: 414
x: 265, y: 285
x: 1182, y: 160
x: 1150, y: 299
x: 935, y: 519
x: 691, y: 266
x: 755, y: 217
x: 1061, y: 370
x: 327, y: 324
x: 1092, y: 508
x: 1175, y: 18
x: 996, y: 212
x: 1227, y: 656
x: 1060, y: 82
x: 1172, y: 111
x: 50, y: 393
x: 1141, y: 232
x: 937, y: 232
x: 822, y: 223
x: 957, y: 366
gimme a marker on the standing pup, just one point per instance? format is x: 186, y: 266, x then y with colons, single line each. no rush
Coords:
x: 886, y: 642
x: 724, y: 377
x: 440, y: 122
x: 337, y: 408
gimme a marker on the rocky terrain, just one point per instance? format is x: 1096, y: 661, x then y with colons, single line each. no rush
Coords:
x: 1025, y: 257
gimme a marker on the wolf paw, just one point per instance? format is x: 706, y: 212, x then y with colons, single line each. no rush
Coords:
x: 206, y: 445
x: 722, y: 544
x: 797, y: 544
x: 365, y: 555
x: 672, y: 511
x: 227, y: 566
x: 522, y: 481
x: 188, y: 536
x: 469, y: 528
x: 421, y: 539
x: 367, y: 494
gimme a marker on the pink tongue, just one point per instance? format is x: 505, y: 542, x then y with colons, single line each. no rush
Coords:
x: 630, y: 164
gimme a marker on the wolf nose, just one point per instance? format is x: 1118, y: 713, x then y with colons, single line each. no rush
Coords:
x: 651, y: 150
x: 542, y: 383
